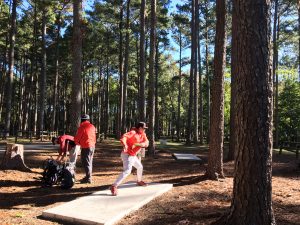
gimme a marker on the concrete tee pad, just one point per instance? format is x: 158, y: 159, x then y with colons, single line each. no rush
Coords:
x: 190, y: 157
x: 103, y: 208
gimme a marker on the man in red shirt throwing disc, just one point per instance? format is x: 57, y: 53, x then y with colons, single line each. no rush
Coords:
x: 132, y: 142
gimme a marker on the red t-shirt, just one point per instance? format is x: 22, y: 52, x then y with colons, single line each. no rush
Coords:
x: 62, y: 143
x: 86, y: 135
x: 132, y: 137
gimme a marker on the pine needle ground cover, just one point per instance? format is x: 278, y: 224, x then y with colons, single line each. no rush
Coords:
x: 193, y: 200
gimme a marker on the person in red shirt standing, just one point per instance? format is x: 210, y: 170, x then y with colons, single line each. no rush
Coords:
x: 86, y: 138
x: 66, y: 143
x: 132, y: 142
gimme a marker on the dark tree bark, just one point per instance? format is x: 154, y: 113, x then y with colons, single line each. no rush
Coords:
x: 106, y: 110
x: 22, y: 97
x: 11, y: 62
x: 119, y: 130
x: 191, y: 80
x: 42, y: 86
x: 252, y: 192
x: 4, y: 65
x: 102, y: 89
x: 93, y: 119
x: 36, y: 99
x: 76, y: 69
x: 179, y: 88
x: 32, y: 81
x: 142, y: 63
x: 30, y: 99
x: 196, y: 78
x: 33, y: 122
x: 126, y: 65
x: 83, y: 93
x: 151, y: 149
x: 26, y: 92
x: 54, y: 121
x: 207, y: 71
x: 64, y: 119
x: 232, y: 139
x: 275, y: 74
x: 100, y: 99
x: 200, y: 92
x: 157, y: 118
x: 215, y: 157
x: 298, y: 6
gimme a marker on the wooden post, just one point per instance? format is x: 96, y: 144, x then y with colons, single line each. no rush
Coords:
x: 14, y: 158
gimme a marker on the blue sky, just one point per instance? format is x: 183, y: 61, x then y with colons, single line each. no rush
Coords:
x: 175, y: 53
x: 186, y: 53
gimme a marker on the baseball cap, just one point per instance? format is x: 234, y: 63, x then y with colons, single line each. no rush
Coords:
x: 141, y: 124
x: 85, y: 117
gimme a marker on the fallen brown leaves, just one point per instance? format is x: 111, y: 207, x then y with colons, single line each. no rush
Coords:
x: 193, y: 200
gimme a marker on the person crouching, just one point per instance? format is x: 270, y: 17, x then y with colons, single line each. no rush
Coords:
x: 66, y: 144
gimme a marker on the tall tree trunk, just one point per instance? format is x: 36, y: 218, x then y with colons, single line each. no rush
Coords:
x: 121, y: 81
x: 42, y: 88
x: 83, y: 93
x: 4, y: 64
x: 93, y: 119
x: 137, y: 81
x: 298, y: 6
x: 275, y: 74
x: 126, y: 65
x: 54, y: 121
x: 89, y: 97
x: 100, y: 102
x: 22, y: 97
x: 106, y: 117
x: 157, y: 118
x: 103, y: 94
x: 25, y: 101
x: 200, y: 90
x: 33, y: 121
x: 76, y: 69
x: 179, y: 88
x: 31, y: 85
x: 36, y: 99
x: 207, y: 71
x: 252, y: 192
x: 11, y: 61
x: 215, y: 157
x: 196, y: 78
x: 142, y: 63
x: 191, y: 80
x: 151, y: 149
x: 232, y: 139
x: 66, y: 123
x: 86, y: 90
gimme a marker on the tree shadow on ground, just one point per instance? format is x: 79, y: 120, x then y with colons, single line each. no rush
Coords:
x: 289, y: 213
x: 14, y: 183
x: 183, y: 181
x: 193, y: 209
x: 43, y: 196
x: 59, y: 221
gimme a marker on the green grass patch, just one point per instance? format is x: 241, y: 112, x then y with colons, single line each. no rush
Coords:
x: 19, y: 215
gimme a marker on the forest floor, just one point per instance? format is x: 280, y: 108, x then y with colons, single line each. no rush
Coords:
x: 193, y: 200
